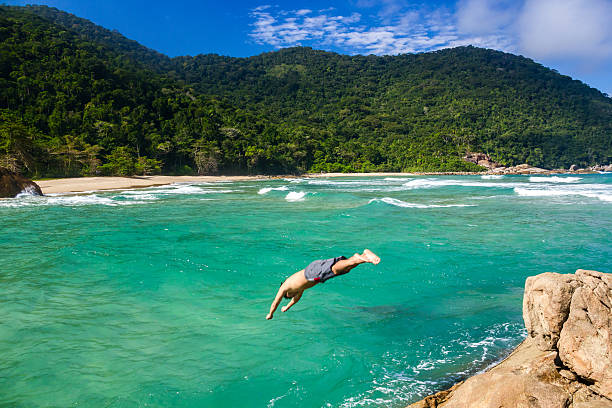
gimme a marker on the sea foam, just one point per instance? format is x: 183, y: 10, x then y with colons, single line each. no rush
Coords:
x: 295, y: 196
x: 602, y: 192
x: 266, y: 190
x: 554, y: 179
x: 400, y: 203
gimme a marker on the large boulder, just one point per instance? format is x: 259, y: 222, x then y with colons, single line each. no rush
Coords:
x: 546, y: 306
x: 585, y: 343
x: 12, y: 184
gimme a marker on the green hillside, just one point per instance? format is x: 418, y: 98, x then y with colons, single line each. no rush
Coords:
x: 77, y: 99
x: 418, y: 107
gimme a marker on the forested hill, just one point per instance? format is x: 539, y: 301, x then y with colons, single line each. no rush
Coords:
x: 441, y: 102
x: 78, y: 99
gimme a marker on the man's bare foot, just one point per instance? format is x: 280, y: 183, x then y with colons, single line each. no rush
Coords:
x: 269, y: 316
x: 369, y: 256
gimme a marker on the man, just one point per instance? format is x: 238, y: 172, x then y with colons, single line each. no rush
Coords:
x: 318, y: 271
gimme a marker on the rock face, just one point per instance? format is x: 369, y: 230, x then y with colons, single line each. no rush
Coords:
x: 481, y: 159
x: 546, y: 305
x: 566, y: 360
x: 12, y: 184
x: 585, y: 343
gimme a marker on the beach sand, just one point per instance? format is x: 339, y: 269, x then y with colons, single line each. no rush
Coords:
x: 81, y: 184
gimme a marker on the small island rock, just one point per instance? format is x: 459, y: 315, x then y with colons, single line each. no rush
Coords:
x: 12, y: 184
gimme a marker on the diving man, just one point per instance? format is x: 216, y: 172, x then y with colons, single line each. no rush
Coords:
x: 318, y: 271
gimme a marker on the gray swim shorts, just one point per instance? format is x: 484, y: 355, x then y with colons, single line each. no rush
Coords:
x: 321, y: 270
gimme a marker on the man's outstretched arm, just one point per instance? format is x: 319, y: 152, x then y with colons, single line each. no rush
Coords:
x: 275, y: 303
x: 293, y: 301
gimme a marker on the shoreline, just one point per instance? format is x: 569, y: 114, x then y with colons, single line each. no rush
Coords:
x: 100, y: 183
x: 83, y: 184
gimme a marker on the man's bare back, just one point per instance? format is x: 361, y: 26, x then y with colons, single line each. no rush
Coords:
x: 318, y: 271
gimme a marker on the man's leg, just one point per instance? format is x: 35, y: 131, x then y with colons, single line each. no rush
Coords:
x: 345, y: 265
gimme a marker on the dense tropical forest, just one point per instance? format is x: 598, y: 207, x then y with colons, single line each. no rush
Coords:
x: 77, y: 99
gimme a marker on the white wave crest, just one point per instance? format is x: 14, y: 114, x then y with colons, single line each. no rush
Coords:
x: 554, y: 179
x: 178, y: 189
x: 27, y: 191
x: 398, y: 179
x: 82, y: 200
x: 389, y: 181
x: 400, y: 203
x: 492, y: 176
x: 602, y: 192
x: 295, y: 196
x: 294, y: 180
x: 430, y: 183
x: 266, y: 190
x: 145, y: 196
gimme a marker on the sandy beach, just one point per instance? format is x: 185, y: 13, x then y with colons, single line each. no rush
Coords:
x: 81, y: 184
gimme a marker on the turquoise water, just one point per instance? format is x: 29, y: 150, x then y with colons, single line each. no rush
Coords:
x: 157, y: 297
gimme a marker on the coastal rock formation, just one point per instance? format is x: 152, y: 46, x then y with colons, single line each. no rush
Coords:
x: 566, y: 359
x: 546, y: 305
x: 585, y: 343
x: 12, y: 184
x: 522, y: 169
x: 600, y: 168
x: 481, y: 159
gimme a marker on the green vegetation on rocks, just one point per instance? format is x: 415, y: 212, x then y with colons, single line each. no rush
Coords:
x: 77, y: 99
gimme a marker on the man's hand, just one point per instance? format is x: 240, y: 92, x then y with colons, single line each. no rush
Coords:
x: 269, y: 316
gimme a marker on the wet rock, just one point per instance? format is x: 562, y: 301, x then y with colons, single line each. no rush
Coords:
x: 12, y: 184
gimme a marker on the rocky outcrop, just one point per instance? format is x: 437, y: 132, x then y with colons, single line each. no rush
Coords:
x: 482, y: 159
x: 598, y: 168
x: 522, y: 169
x: 12, y: 184
x: 566, y: 359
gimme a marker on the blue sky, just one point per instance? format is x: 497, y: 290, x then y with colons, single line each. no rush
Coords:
x: 572, y: 36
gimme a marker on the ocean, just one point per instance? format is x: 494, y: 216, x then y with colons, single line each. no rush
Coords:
x: 157, y: 297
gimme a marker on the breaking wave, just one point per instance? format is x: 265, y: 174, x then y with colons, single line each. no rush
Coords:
x: 266, y: 190
x: 599, y: 191
x: 400, y: 203
x: 295, y: 196
x: 110, y: 198
x: 554, y: 179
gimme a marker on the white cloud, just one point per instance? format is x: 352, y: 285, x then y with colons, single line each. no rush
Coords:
x: 409, y: 31
x: 485, y: 16
x: 568, y: 28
